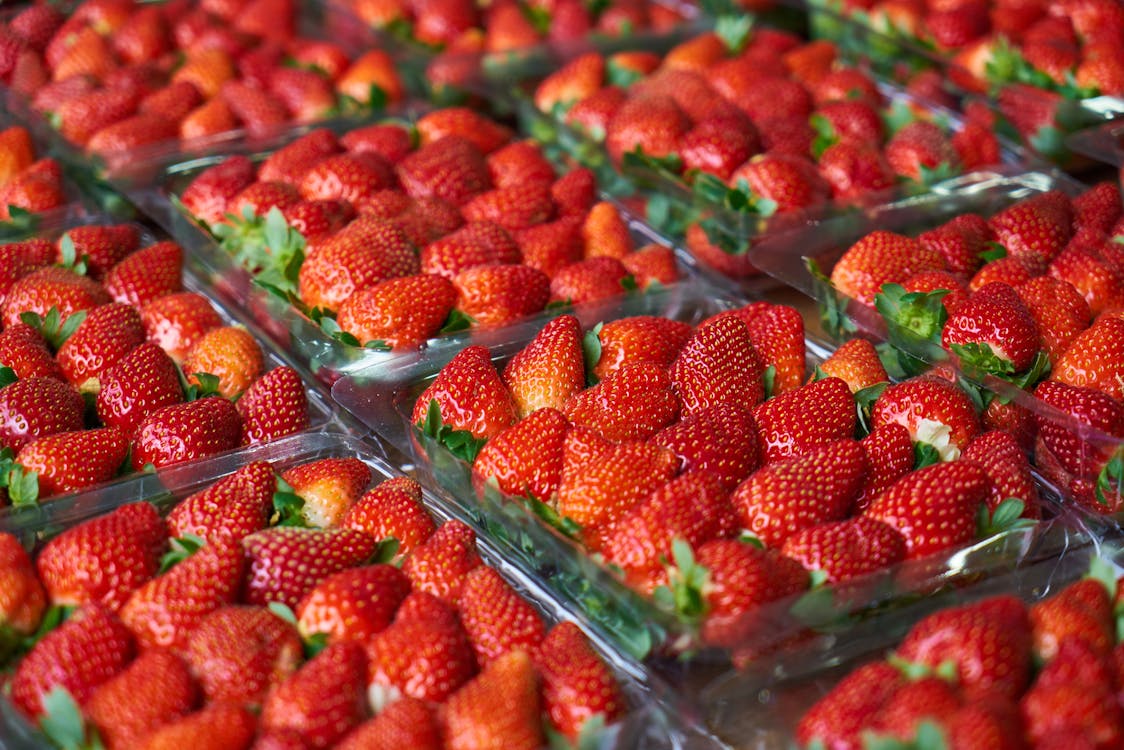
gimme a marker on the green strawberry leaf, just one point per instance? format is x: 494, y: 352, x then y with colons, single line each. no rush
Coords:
x: 378, y: 345
x: 591, y: 352
x: 979, y: 360
x: 833, y: 306
x: 70, y: 257
x: 723, y: 240
x: 865, y: 399
x: 924, y: 455
x: 458, y: 320
x: 1110, y: 480
x: 912, y: 318
x: 994, y: 252
x: 550, y: 516
x: 618, y: 75
x: 461, y: 443
x: 329, y: 326
x: 7, y: 376
x: 747, y: 537
x: 283, y: 611
x: 205, y: 385
x: 898, y: 116
x: 386, y: 551
x: 930, y: 176
x: 181, y: 548
x: 64, y: 724
x: 825, y: 138
x: 734, y: 30
x: 53, y: 328
x: 637, y: 159
x: 1100, y: 569
x: 1007, y: 516
x: 686, y: 583
x: 628, y: 283
x: 769, y: 380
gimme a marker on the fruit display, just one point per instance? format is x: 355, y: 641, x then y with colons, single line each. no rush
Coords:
x: 30, y: 182
x: 119, y: 77
x: 388, y: 236
x: 112, y: 361
x: 317, y: 601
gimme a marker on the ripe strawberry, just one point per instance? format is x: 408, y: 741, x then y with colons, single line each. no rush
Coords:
x: 960, y: 241
x: 451, y: 168
x: 392, y: 509
x: 936, y: 413
x: 176, y: 322
x: 354, y: 604
x: 1082, y: 610
x: 105, y: 337
x: 260, y: 112
x: 1059, y: 311
x: 173, y: 102
x: 935, y: 507
x: 37, y: 189
x: 144, y: 380
x: 589, y: 280
x: 929, y: 698
x: 483, y: 133
x: 35, y: 407
x: 922, y: 152
x: 718, y: 145
x: 652, y: 266
x: 72, y: 461
x: 48, y: 288
x: 1097, y: 209
x: 230, y: 509
x: 1072, y: 713
x: 634, y: 403
x: 790, y: 182
x: 286, y: 563
x: 992, y: 332
x: 102, y: 246
x: 839, y: 717
x: 576, y: 683
x: 878, y: 258
x: 407, y: 722
x: 607, y: 486
x: 22, y: 598
x: 155, y: 689
x: 793, y: 423
x: 475, y: 244
x: 651, y: 124
x: 401, y: 313
x: 18, y: 259
x: 520, y: 163
x: 1098, y: 281
x: 291, y: 162
x: 988, y: 641
x: 497, y: 295
x: 574, y: 192
x: 215, y: 725
x: 363, y: 253
x: 718, y: 364
x: 577, y: 80
x: 230, y: 353
x: 469, y: 396
x: 551, y: 246
x: 638, y: 339
x: 1093, y: 358
x: 549, y: 370
x: 116, y: 142
x: 186, y: 432
x: 24, y: 349
x: 847, y: 119
x: 78, y: 656
x: 777, y: 334
x: 275, y: 405
x: 345, y: 177
x: 1036, y: 229
x: 854, y: 169
x: 469, y: 717
x: 721, y: 440
x: 855, y: 362
x: 80, y: 117
x: 329, y: 487
x: 889, y: 457
x: 147, y: 274
x: 424, y: 654
x: 323, y: 700
x: 260, y: 197
x: 513, y: 208
x: 208, y: 195
x: 846, y: 549
x: 1005, y: 462
x: 238, y: 653
x: 525, y: 460
x: 496, y: 618
x: 441, y: 563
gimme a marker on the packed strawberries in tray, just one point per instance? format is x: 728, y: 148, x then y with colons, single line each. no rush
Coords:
x: 704, y: 463
x: 391, y: 234
x: 29, y: 183
x: 116, y: 75
x: 212, y: 625
x: 1029, y: 295
x: 108, y: 363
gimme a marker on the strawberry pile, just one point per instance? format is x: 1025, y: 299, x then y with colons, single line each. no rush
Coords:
x: 1028, y: 295
x: 116, y: 75
x: 106, y: 363
x: 700, y: 462
x: 28, y: 185
x: 392, y: 234
x: 995, y: 674
x: 213, y: 628
x: 759, y: 121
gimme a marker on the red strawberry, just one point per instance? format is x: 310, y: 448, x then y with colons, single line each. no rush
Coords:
x: 286, y: 563
x: 215, y: 725
x: 392, y: 509
x: 549, y: 370
x: 401, y: 313
x: 838, y: 718
x: 108, y: 333
x: 1059, y: 310
x: 441, y: 563
x: 105, y: 559
x: 73, y: 461
x: 144, y: 380
x: 1072, y: 713
x: 212, y: 190
x: 846, y: 549
x: 35, y: 407
x: 1097, y: 209
x: 793, y: 423
x: 1093, y: 358
x: 22, y: 598
x: 176, y: 322
x: 329, y: 487
x: 477, y: 243
x: 345, y: 177
x: 363, y: 253
x: 354, y: 604
x: 102, y: 246
x: 291, y: 162
x: 526, y: 459
x: 485, y: 134
x: 1098, y: 281
x: 992, y: 331
x: 571, y: 83
x: 574, y: 192
x: 424, y: 654
x: 1082, y: 610
x: 467, y: 395
x: 576, y: 683
x: 607, y: 486
x: 788, y: 496
x: 605, y: 232
x: 496, y: 618
x: 451, y: 168
x: 936, y: 413
x: 471, y: 721
x: 856, y: 362
x: 1006, y: 463
x: 889, y: 457
x: 324, y: 699
x: 259, y: 198
x: 407, y: 722
x: 519, y: 163
x: 921, y: 151
x: 718, y: 364
x: 238, y: 653
x: 48, y: 288
x: 78, y: 656
x: 788, y: 182
x: 275, y: 405
x: 589, y: 280
x: 636, y: 339
x: 777, y: 334
x: 854, y: 169
x: 878, y: 258
x: 155, y: 689
x: 721, y: 440
x: 498, y: 295
x: 1036, y: 229
x: 390, y: 141
x: 512, y: 208
x: 552, y: 246
x: 926, y: 699
x: 186, y: 432
x: 230, y: 353
x: 230, y: 509
x: 147, y: 274
x: 960, y: 241
x: 652, y: 266
x: 632, y: 404
x: 37, y: 189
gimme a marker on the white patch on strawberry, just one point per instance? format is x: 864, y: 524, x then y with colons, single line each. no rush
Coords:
x: 380, y: 695
x: 938, y: 435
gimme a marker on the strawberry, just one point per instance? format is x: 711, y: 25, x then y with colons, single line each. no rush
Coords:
x: 790, y: 495
x: 48, y: 288
x: 407, y: 722
x: 577, y: 80
x: 777, y: 334
x: 35, y: 407
x: 18, y: 259
x: 451, y: 168
x: 147, y: 274
x: 401, y: 313
x: 604, y: 488
x: 519, y: 163
x: 102, y: 246
x: 854, y: 169
x: 650, y: 124
x: 329, y: 487
x: 260, y: 197
x: 922, y: 152
x: 1081, y: 611
x: 960, y: 242
x: 721, y: 440
x: 652, y: 266
x: 475, y: 244
x: 392, y: 509
x: 122, y: 139
x: 372, y: 71
x: 718, y: 145
x: 889, y: 457
x: 513, y: 208
x: 718, y: 364
x: 144, y: 380
x: 186, y: 432
x: 155, y: 689
x: 176, y: 322
x: 173, y: 102
x: 72, y: 461
x: 636, y: 339
x: 496, y: 618
x: 231, y: 354
x: 935, y: 507
x: 37, y: 189
x: 632, y: 404
x: 793, y: 423
x: 839, y: 717
x: 846, y: 549
x: 854, y: 120
x: 551, y: 246
x: 363, y: 253
x: 992, y: 331
x: 424, y: 654
x: 354, y: 604
x: 1099, y: 282
x: 878, y: 258
x: 1036, y: 229
x: 23, y: 600
x: 497, y: 295
x: 36, y: 24
x: 788, y: 182
x: 324, y: 699
x: 24, y: 350
x: 469, y: 717
x: 261, y: 113
x: 1005, y: 462
x: 105, y: 337
x: 291, y: 162
x: 208, y: 195
x: 855, y: 362
x: 82, y: 116
x: 230, y: 509
x: 937, y: 414
x: 441, y: 563
x: 525, y: 460
x: 1097, y: 209
x: 275, y: 405
x: 988, y: 641
x: 590, y: 280
x: 549, y: 371
x: 345, y: 177
x: 605, y: 232
x: 286, y: 563
x: 926, y: 699
x: 576, y: 683
x: 1059, y: 311
x: 1093, y: 358
x: 238, y: 653
x: 483, y: 133
x: 84, y: 652
x: 1072, y: 713
x: 467, y: 395
x: 215, y: 725
x: 574, y: 192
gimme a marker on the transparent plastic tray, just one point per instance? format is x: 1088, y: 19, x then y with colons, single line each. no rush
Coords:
x: 646, y: 728
x: 324, y: 415
x: 43, y: 148
x: 1103, y: 143
x: 384, y: 399
x: 326, y: 357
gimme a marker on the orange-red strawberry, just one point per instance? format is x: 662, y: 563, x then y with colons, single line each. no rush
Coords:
x: 641, y: 338
x: 467, y: 395
x: 424, y: 654
x: 37, y: 189
x: 275, y: 405
x: 857, y: 363
x: 372, y: 71
x: 401, y: 313
x: 354, y: 604
x: 574, y: 192
x: 231, y: 508
x: 576, y: 683
x: 345, y: 177
x: 921, y: 151
x: 106, y: 336
x: 1098, y: 281
x: 73, y: 461
x: 35, y: 407
x: 48, y: 288
x: 392, y: 509
x: 144, y: 380
x: 291, y: 162
x: 651, y: 124
x: 176, y: 322
x: 78, y: 656
x: 718, y: 364
x: 992, y: 332
x: 165, y: 610
x: 935, y: 508
x: 22, y: 598
x: 208, y: 195
x: 651, y: 266
x: 324, y: 699
x: 407, y: 722
x: 600, y: 490
x: 365, y: 252
x: 215, y: 725
x: 878, y: 258
x: 936, y: 412
x: 960, y: 242
x: 497, y: 295
x: 329, y: 487
x: 777, y: 334
x: 1082, y: 610
x: 634, y: 403
x: 846, y: 549
x: 1059, y: 310
x: 889, y: 457
x: 485, y: 134
x: 721, y: 440
x: 549, y: 370
x: 839, y: 717
x: 551, y: 246
x: 285, y: 563
x: 230, y: 353
x: 1093, y: 358
x: 496, y: 618
x: 82, y: 116
x: 186, y: 432
x: 238, y: 653
x: 520, y: 163
x: 440, y: 564
x: 589, y: 280
x: 525, y: 460
x: 790, y: 495
x: 475, y: 244
x: 573, y: 82
x: 605, y: 232
x: 452, y: 169
x: 787, y: 182
x: 793, y: 423
x: 147, y: 274
x: 470, y: 720
x: 1036, y: 229
x: 155, y: 689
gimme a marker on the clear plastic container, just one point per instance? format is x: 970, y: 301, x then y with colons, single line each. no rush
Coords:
x: 42, y: 148
x: 645, y: 728
x: 384, y: 398
x: 1103, y: 143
